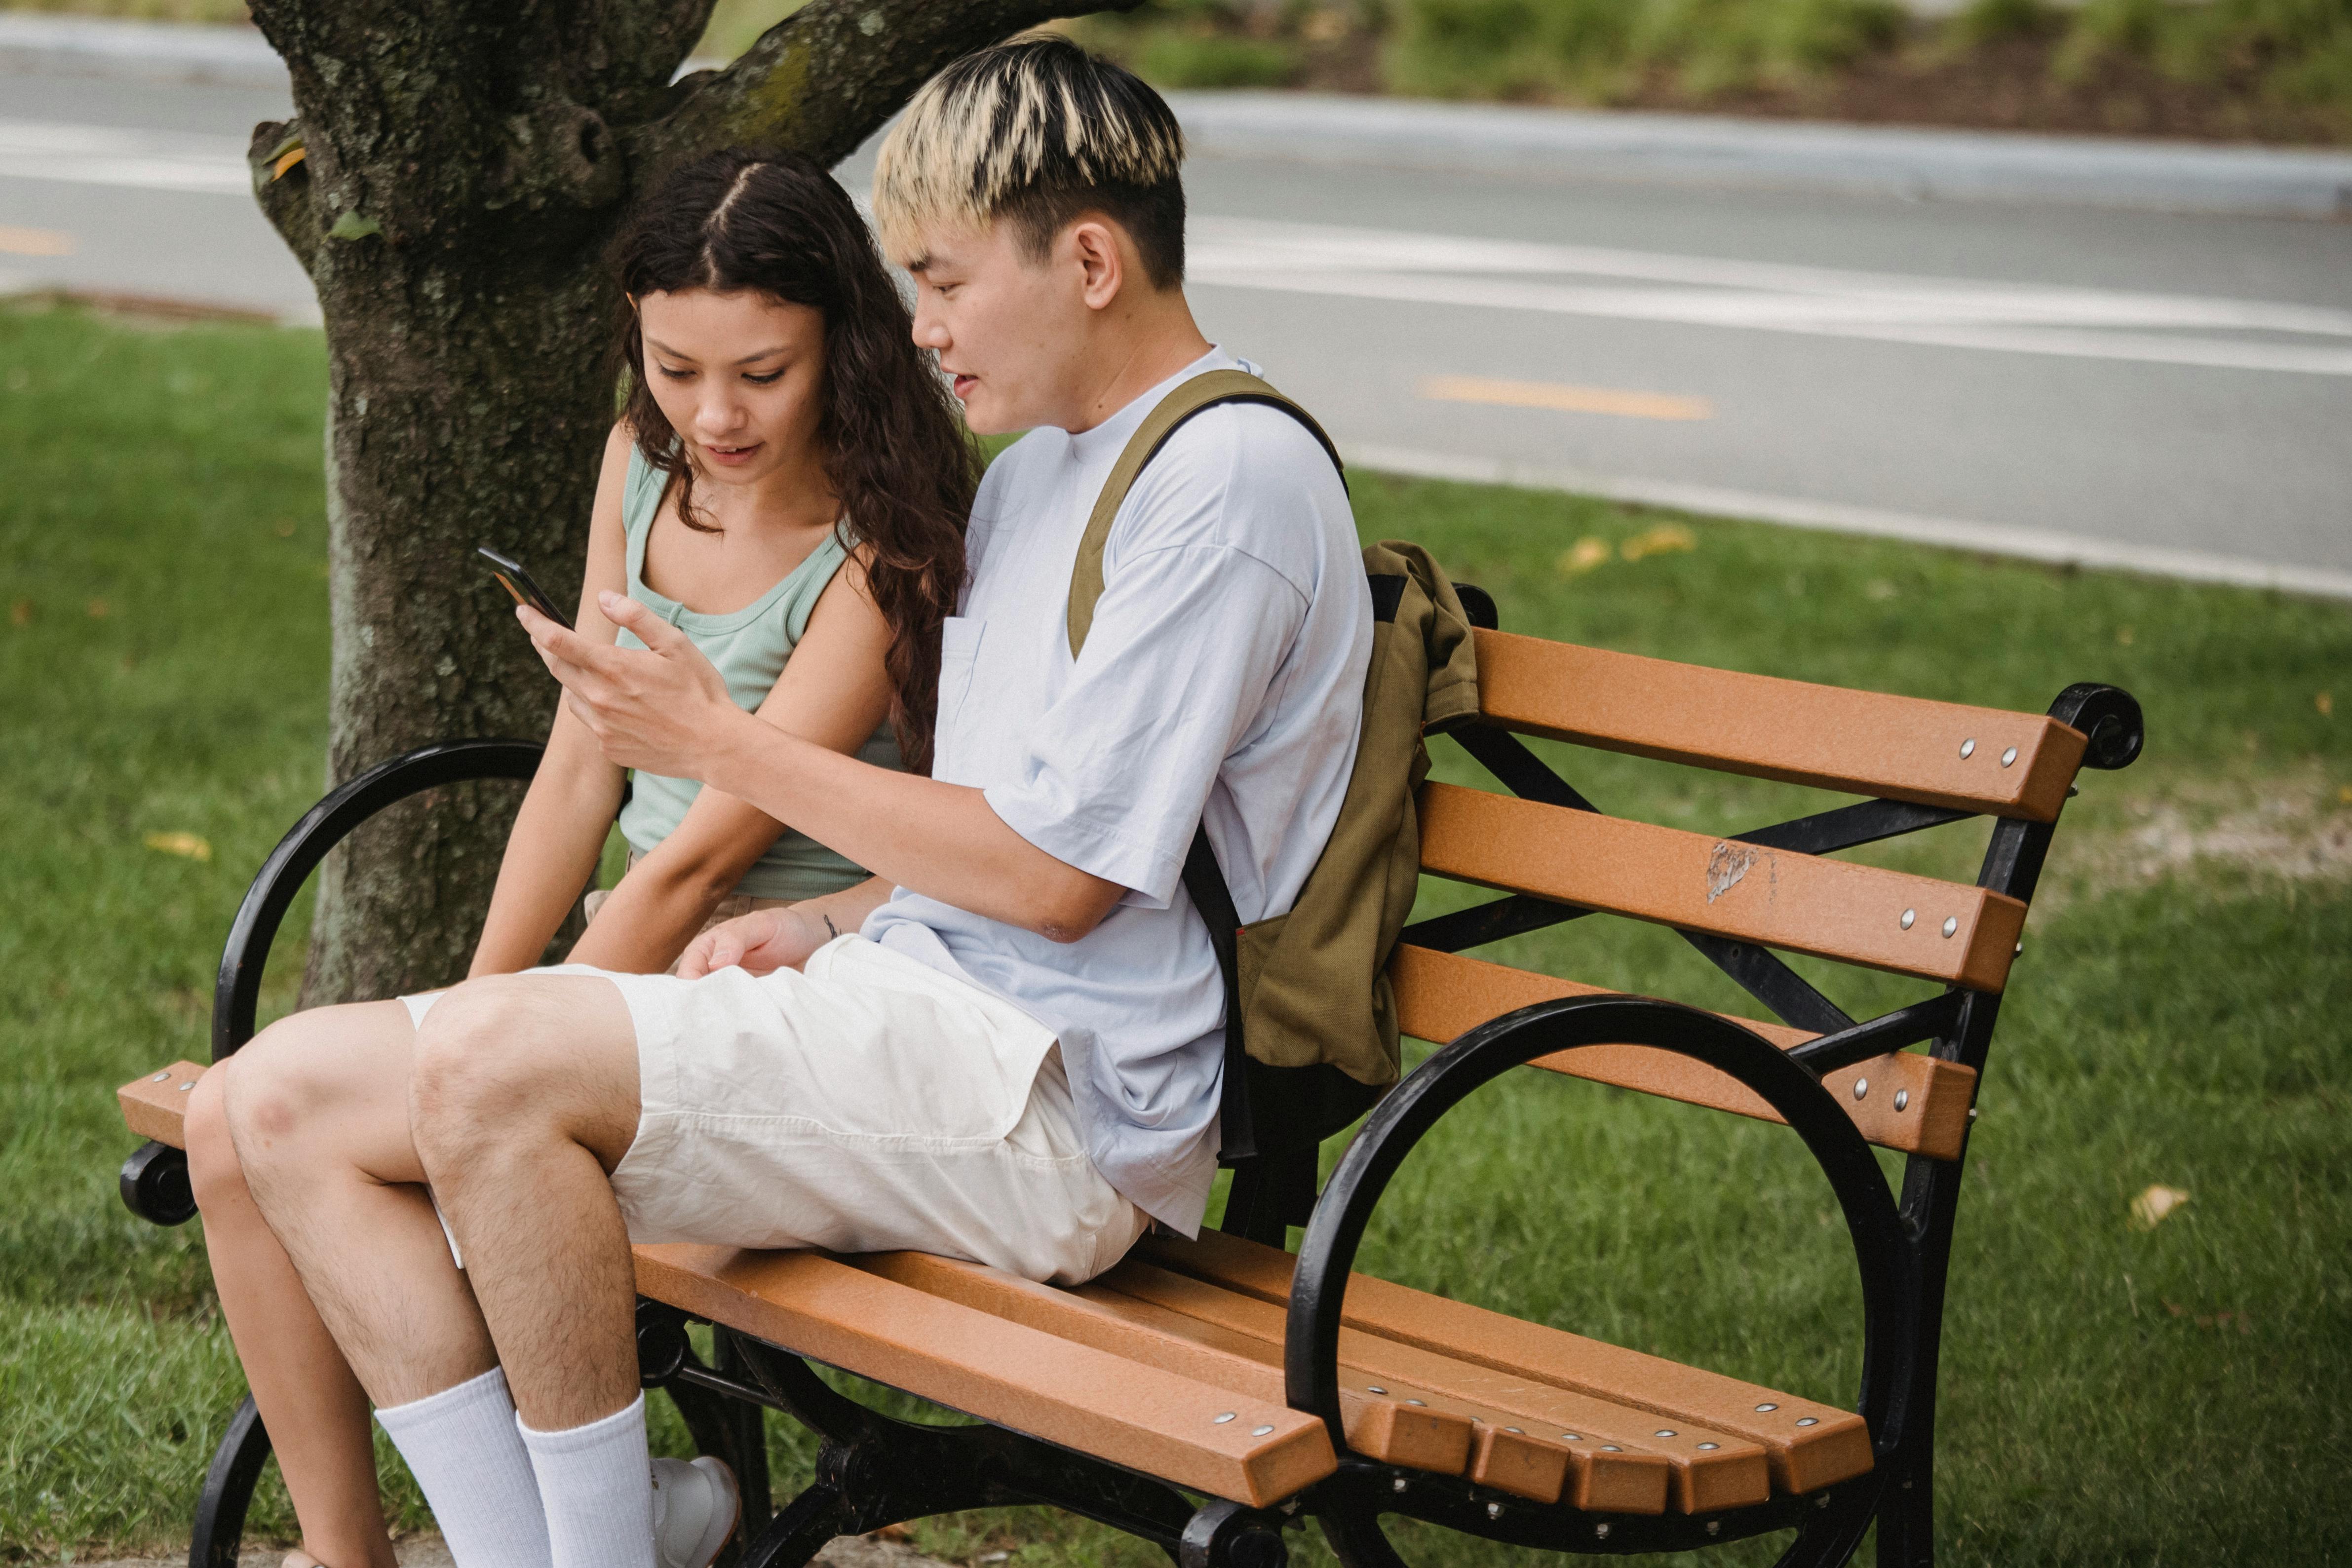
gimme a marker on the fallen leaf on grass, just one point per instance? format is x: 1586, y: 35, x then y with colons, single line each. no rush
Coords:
x: 2325, y: 703
x: 2148, y: 1209
x: 1583, y: 556
x: 191, y: 845
x: 2245, y: 1321
x: 21, y: 612
x: 890, y: 1532
x: 1666, y: 538
x: 98, y: 610
x: 1880, y: 589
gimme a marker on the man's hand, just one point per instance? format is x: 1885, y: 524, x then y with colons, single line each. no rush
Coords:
x: 759, y: 942
x: 659, y: 709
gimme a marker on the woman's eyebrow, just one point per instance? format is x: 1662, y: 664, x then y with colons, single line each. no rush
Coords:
x: 662, y: 347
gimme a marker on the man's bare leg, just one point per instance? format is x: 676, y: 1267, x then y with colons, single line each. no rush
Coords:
x: 524, y: 1098
x: 315, y: 1410
x: 318, y: 1108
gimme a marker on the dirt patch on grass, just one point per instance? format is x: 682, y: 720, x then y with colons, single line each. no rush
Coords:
x: 2298, y: 830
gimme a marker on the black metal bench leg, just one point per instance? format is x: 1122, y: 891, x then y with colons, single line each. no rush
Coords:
x: 228, y: 1490
x: 800, y: 1530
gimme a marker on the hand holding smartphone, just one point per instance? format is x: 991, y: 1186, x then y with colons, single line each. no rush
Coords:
x: 518, y: 582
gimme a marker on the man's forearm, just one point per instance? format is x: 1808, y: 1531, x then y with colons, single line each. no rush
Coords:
x: 940, y: 840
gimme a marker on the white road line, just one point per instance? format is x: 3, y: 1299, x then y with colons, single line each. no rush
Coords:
x: 1952, y: 533
x: 110, y: 155
x: 2078, y: 323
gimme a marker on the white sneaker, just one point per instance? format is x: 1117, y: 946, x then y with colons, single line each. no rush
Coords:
x: 696, y: 1507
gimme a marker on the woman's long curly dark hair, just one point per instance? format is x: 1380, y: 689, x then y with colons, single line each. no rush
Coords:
x: 889, y: 435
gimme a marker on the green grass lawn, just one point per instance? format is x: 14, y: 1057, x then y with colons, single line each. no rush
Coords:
x: 2109, y: 1396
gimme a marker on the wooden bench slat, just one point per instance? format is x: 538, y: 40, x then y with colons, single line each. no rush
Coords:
x: 156, y: 1104
x: 1133, y: 1415
x: 1730, y: 1473
x: 1390, y: 1430
x: 1502, y: 1454
x: 1834, y: 1448
x: 1805, y: 904
x: 1831, y: 737
x: 1443, y: 996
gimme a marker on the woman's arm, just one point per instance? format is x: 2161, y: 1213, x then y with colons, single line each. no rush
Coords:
x: 834, y: 692
x: 559, y: 832
x: 769, y: 939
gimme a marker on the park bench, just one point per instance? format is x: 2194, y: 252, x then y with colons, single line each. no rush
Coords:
x: 1207, y: 1396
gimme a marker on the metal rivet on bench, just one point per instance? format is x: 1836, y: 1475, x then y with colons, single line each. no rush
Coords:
x: 1762, y: 1407
x: 1397, y: 1485
x: 161, y: 1076
x: 1902, y: 1099
x: 1515, y: 1431
x: 1611, y: 1448
x: 1809, y: 1420
x: 1571, y: 1437
x: 1600, y: 1532
x: 1423, y: 1402
x: 1370, y: 1389
x: 1860, y: 1087
x: 1822, y: 1500
x: 1951, y: 924
x: 1664, y: 1432
x: 191, y: 1084
x: 1220, y: 1417
x: 1972, y: 1112
x: 1908, y: 917
x: 1715, y: 1527
x: 1261, y: 1431
x: 1968, y: 749
x: 1708, y: 1448
x: 1494, y: 1510
x: 2008, y: 756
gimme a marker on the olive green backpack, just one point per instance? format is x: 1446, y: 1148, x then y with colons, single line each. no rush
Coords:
x: 1308, y: 989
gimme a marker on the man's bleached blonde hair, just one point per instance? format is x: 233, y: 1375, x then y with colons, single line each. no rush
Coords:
x: 1036, y: 133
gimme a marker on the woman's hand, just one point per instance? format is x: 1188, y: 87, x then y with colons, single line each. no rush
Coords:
x: 660, y: 708
x: 759, y: 942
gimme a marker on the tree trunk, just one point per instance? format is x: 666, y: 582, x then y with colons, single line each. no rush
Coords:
x: 452, y: 179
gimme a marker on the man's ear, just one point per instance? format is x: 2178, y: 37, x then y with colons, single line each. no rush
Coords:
x: 1093, y: 245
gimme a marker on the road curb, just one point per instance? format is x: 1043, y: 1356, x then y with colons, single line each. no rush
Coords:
x: 1907, y: 162
x: 2046, y: 546
x: 1910, y: 162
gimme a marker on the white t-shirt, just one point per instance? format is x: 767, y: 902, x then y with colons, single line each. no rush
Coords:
x: 1223, y: 680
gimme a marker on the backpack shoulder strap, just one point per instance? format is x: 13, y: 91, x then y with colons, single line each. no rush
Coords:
x: 1204, y: 390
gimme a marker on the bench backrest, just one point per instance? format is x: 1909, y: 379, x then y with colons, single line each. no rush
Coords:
x: 1556, y: 857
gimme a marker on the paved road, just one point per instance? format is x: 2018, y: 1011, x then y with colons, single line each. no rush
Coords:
x: 2173, y: 392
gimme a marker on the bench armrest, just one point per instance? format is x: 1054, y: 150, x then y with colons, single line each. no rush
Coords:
x: 237, y: 990
x: 1328, y: 1252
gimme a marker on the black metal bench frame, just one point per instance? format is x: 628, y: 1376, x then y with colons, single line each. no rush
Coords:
x: 874, y: 1469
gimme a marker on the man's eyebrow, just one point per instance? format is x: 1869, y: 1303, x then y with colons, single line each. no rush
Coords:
x: 921, y: 264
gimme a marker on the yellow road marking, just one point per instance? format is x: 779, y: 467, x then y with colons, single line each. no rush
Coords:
x: 35, y: 241
x: 1567, y: 399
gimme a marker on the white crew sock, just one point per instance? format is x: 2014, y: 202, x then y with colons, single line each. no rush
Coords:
x: 462, y: 1447
x: 596, y: 1490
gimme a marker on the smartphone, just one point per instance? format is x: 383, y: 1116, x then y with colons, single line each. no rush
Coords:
x: 517, y: 580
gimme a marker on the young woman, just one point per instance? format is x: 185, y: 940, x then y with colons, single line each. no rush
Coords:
x: 788, y: 486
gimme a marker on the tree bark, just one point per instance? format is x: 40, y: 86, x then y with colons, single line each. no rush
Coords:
x: 451, y: 181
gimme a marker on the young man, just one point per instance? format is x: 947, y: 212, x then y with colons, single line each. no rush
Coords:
x: 1014, y: 1057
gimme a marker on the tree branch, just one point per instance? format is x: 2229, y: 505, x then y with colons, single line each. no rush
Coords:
x: 827, y: 77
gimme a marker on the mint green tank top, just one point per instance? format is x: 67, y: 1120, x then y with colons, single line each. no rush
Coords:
x: 749, y: 647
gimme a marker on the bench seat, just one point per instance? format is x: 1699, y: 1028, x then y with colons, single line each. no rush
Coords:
x: 1171, y: 1365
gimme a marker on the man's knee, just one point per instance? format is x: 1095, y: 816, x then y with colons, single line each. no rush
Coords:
x: 213, y: 1170
x: 477, y: 1063
x: 281, y: 1089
